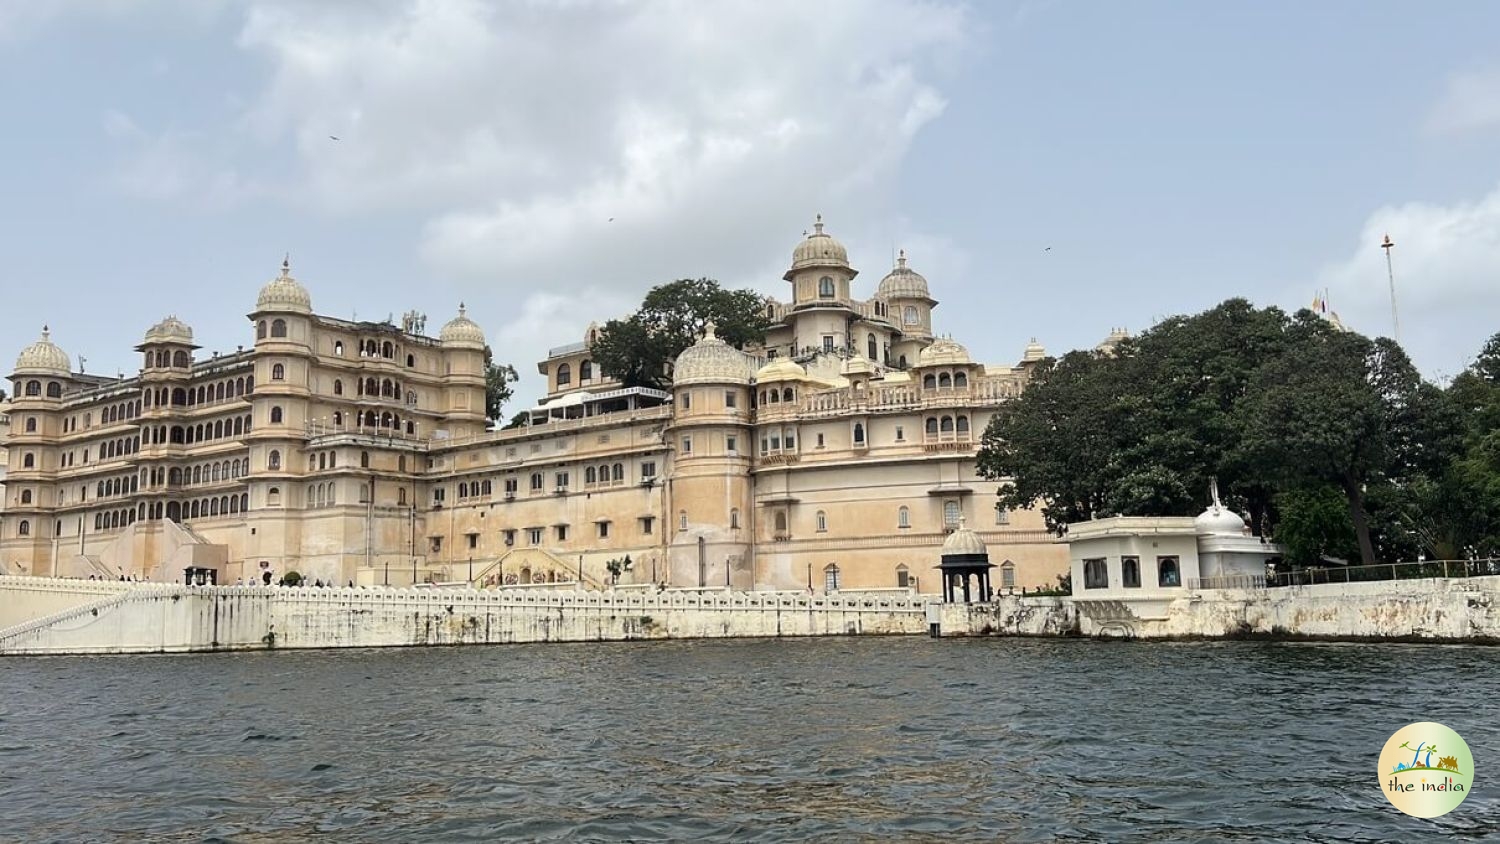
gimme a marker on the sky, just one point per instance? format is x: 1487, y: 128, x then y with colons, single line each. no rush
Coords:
x: 1055, y: 169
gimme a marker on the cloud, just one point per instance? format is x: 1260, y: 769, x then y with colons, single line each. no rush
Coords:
x: 579, y: 152
x: 1447, y: 270
x: 1470, y: 102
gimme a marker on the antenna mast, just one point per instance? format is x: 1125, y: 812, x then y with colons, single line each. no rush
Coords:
x: 1391, y: 274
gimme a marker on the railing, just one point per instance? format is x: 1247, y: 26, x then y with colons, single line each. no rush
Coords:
x: 1486, y: 567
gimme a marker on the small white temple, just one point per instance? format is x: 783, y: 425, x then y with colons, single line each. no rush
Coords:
x: 1127, y: 570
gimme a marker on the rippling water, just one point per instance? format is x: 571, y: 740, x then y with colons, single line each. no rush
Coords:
x: 835, y: 739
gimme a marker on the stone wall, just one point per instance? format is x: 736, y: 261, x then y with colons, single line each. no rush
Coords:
x: 153, y: 618
x: 1010, y: 615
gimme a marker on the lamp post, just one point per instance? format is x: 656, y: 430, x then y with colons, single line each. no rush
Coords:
x: 471, y: 569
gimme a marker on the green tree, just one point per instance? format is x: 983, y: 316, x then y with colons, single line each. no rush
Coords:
x: 498, y: 389
x: 638, y: 349
x: 1313, y: 523
x: 1463, y: 502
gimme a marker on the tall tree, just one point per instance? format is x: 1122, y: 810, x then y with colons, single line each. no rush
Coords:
x: 638, y: 349
x: 498, y: 386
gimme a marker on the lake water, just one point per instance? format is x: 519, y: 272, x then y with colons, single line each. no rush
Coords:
x: 831, y: 739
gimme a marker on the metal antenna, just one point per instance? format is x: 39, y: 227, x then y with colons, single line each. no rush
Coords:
x: 1391, y: 274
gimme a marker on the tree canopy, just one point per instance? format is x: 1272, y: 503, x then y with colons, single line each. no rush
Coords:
x: 1288, y: 412
x: 498, y: 389
x: 638, y: 349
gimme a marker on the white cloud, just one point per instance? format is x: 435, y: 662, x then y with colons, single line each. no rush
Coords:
x: 1470, y: 102
x: 513, y: 133
x: 1447, y: 269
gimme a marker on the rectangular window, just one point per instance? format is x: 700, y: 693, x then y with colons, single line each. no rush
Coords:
x: 473, y: 541
x: 687, y: 401
x: 831, y: 579
x: 1167, y: 572
x: 562, y: 480
x: 1008, y: 576
x: 900, y: 434
x: 731, y: 445
x: 1002, y: 515
x: 687, y: 445
x: 648, y: 525
x: 820, y: 441
x: 827, y: 342
x: 1130, y: 572
x: 903, y: 578
x: 603, y: 529
x: 648, y: 469
x: 562, y: 532
x: 1095, y: 574
x: 730, y: 399
x: 535, y: 535
x: 510, y: 485
x: 510, y: 537
x: 791, y: 442
x: 437, y: 544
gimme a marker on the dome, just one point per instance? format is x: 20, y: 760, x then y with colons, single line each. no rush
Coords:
x: 963, y: 542
x: 1217, y: 519
x: 780, y: 369
x: 857, y: 365
x: 462, y: 331
x: 170, y: 330
x: 43, y: 357
x: 819, y: 249
x: 944, y: 351
x: 711, y: 361
x: 284, y: 293
x: 1034, y: 352
x: 903, y: 282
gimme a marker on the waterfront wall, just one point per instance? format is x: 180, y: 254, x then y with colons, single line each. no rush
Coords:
x: 1010, y: 615
x: 156, y: 618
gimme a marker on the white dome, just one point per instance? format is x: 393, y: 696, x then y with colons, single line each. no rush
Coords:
x: 944, y: 351
x: 1034, y: 352
x: 170, y: 330
x: 1219, y: 520
x: 711, y: 361
x: 462, y: 331
x: 780, y: 369
x: 284, y: 293
x: 819, y: 249
x: 964, y: 541
x: 43, y: 357
x: 903, y: 283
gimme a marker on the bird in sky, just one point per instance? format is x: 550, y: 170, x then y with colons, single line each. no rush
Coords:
x: 1048, y: 249
x: 333, y: 137
x: 611, y: 219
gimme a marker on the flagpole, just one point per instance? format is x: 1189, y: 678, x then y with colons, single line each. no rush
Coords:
x: 1390, y: 272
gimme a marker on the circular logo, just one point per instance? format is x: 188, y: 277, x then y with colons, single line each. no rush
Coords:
x: 1426, y: 770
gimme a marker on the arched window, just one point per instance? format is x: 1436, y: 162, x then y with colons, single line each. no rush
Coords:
x: 734, y: 519
x: 872, y: 348
x: 278, y: 328
x: 364, y: 460
x: 945, y: 380
x: 54, y: 390
x: 338, y: 418
x: 825, y: 287
x: 28, y: 461
x: 963, y: 424
x: 947, y: 425
x: 859, y: 433
x: 273, y: 460
x: 180, y: 359
x: 25, y: 496
x: 260, y: 330
x: 338, y: 387
x: 387, y: 350
x: 960, y: 380
x: 903, y: 577
x: 617, y: 473
x: 903, y: 518
x: 932, y: 426
x: 278, y: 372
x: 909, y: 316
x: 786, y: 394
x: 1167, y: 572
x: 411, y: 360
x: 682, y: 520
x: 244, y: 502
x: 1008, y: 575
x: 590, y: 476
x: 585, y: 370
x: 564, y: 375
x: 33, y: 388
x: 929, y: 381
x: 273, y: 497
x: 950, y: 514
x: 24, y: 528
x: 821, y: 521
x: 276, y: 415
x: 338, y: 347
x: 831, y: 578
x: 401, y: 495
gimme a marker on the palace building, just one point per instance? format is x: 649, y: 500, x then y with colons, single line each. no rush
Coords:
x: 840, y: 455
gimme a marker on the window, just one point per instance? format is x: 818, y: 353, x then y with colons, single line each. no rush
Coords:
x: 439, y: 493
x: 1008, y: 574
x: 603, y: 529
x: 1095, y: 574
x: 825, y: 287
x: 1130, y: 572
x: 780, y: 521
x: 730, y: 399
x: 564, y: 375
x: 932, y: 426
x: 821, y: 519
x: 338, y: 347
x: 510, y: 537
x: 900, y: 434
x: 1002, y: 515
x: 820, y: 441
x: 909, y: 316
x: 903, y: 518
x: 734, y: 519
x: 831, y: 578
x: 827, y: 342
x: 731, y: 444
x: 260, y: 330
x: 859, y: 433
x: 872, y: 347
x: 536, y: 481
x: 562, y: 480
x: 687, y: 445
x: 278, y: 372
x: 1167, y: 573
x: 273, y: 497
x: 648, y: 525
x: 648, y: 470
x: 586, y: 370
x: 951, y: 514
x: 682, y: 520
x: 436, y: 543
x: 278, y: 328
x: 275, y: 415
x: 473, y: 541
x: 338, y: 387
x: 28, y: 461
x: 25, y: 496
x: 903, y: 577
x: 24, y: 528
x: 31, y: 424
x: 562, y: 532
x: 534, y: 535
x: 273, y: 460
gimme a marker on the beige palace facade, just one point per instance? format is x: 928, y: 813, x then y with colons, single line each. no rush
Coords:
x: 837, y: 456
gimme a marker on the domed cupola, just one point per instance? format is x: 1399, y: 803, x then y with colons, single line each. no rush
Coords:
x: 711, y: 361
x: 819, y: 249
x: 964, y: 543
x: 780, y: 369
x: 944, y: 351
x: 284, y: 294
x: 44, y: 357
x: 903, y: 282
x: 1218, y: 520
x: 170, y: 330
x: 1034, y: 352
x: 462, y: 331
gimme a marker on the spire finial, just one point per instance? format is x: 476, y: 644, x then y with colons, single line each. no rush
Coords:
x: 818, y: 225
x: 961, y: 522
x: 46, y: 331
x: 1213, y: 492
x: 708, y: 331
x: 461, y: 309
x: 286, y: 265
x: 901, y: 261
